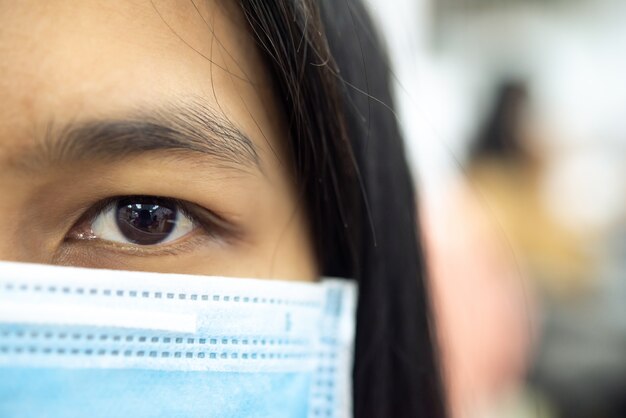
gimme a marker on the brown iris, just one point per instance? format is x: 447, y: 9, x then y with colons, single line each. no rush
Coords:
x: 146, y: 220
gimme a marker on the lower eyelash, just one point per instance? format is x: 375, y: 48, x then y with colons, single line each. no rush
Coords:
x: 175, y: 248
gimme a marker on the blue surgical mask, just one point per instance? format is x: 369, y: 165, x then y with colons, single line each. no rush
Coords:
x: 78, y: 342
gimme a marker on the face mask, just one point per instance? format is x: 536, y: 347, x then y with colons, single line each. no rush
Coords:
x: 78, y: 342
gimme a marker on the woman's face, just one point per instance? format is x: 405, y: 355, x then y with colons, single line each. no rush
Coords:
x: 144, y: 135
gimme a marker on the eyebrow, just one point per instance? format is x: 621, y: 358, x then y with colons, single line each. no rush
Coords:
x: 185, y: 128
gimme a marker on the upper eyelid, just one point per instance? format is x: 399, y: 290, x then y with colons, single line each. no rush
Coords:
x: 206, y: 216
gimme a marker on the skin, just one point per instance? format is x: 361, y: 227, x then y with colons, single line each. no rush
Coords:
x: 65, y: 62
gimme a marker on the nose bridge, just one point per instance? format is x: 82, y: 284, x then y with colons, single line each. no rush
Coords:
x: 12, y: 238
x: 8, y: 227
x: 9, y: 245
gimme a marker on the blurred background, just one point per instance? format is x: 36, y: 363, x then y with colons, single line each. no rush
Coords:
x: 513, y: 113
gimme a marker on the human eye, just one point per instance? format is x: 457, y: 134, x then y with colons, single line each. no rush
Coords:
x: 147, y: 222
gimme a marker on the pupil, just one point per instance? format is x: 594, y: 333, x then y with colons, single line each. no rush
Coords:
x: 146, y: 220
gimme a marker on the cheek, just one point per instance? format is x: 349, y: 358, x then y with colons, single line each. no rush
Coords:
x: 282, y: 241
x: 294, y: 253
x: 288, y: 251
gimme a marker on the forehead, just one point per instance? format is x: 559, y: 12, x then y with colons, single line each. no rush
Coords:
x: 65, y: 61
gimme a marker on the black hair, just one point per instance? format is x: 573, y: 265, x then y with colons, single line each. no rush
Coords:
x: 334, y: 82
x: 500, y: 136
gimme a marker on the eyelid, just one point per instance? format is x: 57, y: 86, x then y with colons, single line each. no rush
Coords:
x: 211, y: 223
x: 209, y: 220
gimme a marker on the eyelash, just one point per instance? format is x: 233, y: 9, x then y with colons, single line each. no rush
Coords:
x: 215, y: 228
